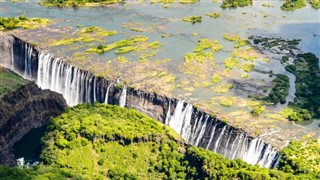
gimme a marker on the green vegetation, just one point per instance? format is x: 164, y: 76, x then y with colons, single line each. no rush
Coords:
x: 279, y: 91
x: 154, y: 45
x: 204, y: 50
x: 125, y: 45
x: 192, y: 19
x: 267, y: 5
x: 236, y: 38
x: 257, y: 110
x: 10, y: 23
x: 307, y: 101
x: 188, y: 1
x: 216, y: 79
x: 235, y: 3
x: 214, y: 15
x: 301, y: 157
x: 290, y: 5
x: 9, y: 81
x: 275, y: 42
x: 227, y: 102
x: 231, y: 63
x: 247, y: 67
x: 315, y: 3
x: 76, y: 3
x: 85, y: 35
x: 107, y: 142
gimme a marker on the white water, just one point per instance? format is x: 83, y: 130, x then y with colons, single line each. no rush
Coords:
x: 203, y: 129
x: 219, y: 138
x: 123, y: 97
x: 166, y: 122
x: 78, y: 86
x: 107, y: 94
x: 211, y: 136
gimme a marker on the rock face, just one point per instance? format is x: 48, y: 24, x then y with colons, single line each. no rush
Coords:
x: 27, y: 108
x: 78, y: 86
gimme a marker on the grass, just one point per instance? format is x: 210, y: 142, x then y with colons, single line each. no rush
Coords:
x: 9, y: 81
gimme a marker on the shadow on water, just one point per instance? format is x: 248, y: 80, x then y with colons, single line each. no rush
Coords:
x: 29, y: 146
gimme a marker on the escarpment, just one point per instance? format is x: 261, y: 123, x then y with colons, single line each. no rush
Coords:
x: 79, y: 86
x: 27, y: 108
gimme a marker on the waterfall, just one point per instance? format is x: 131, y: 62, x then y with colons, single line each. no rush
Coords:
x: 168, y: 114
x: 107, y: 94
x: 201, y: 134
x: 211, y: 136
x: 181, y: 119
x: 196, y: 127
x: 123, y: 97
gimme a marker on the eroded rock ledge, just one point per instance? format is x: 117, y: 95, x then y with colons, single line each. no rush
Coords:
x: 27, y: 108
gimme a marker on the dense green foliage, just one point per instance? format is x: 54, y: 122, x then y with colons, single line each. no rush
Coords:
x: 9, y: 81
x: 290, y: 5
x: 10, y: 23
x: 107, y: 142
x: 235, y: 3
x: 315, y: 3
x: 307, y: 101
x: 301, y: 158
x: 279, y: 91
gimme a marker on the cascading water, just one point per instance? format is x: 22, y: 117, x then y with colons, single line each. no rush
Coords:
x: 123, y: 97
x: 107, y: 94
x: 209, y: 133
x: 196, y: 127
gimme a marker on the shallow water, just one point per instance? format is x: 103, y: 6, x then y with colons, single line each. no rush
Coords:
x: 253, y: 20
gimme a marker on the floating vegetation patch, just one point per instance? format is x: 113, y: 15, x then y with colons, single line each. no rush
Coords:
x: 290, y: 5
x: 126, y: 45
x: 192, y: 19
x: 10, y: 23
x: 85, y: 35
x: 235, y: 3
x: 77, y: 3
x: 214, y: 15
x: 203, y: 51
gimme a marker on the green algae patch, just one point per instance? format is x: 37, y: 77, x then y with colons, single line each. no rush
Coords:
x: 125, y: 49
x: 154, y: 45
x: 85, y: 35
x: 188, y: 1
x: 192, y: 19
x: 231, y: 63
x: 125, y: 45
x: 204, y: 50
x: 235, y: 3
x: 77, y: 3
x: 226, y: 102
x: 214, y: 15
x: 290, y: 5
x: 10, y: 23
x: 315, y: 3
x: 216, y: 78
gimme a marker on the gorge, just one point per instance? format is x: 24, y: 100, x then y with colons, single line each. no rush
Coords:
x: 78, y: 86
